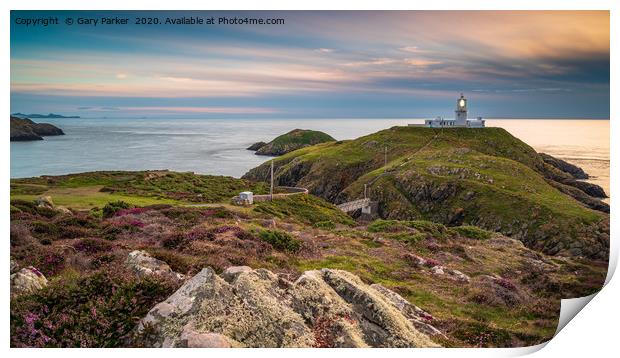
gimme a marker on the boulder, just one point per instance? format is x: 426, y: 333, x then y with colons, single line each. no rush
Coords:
x: 45, y: 202
x: 256, y: 308
x: 14, y: 266
x: 27, y: 280
x: 144, y: 264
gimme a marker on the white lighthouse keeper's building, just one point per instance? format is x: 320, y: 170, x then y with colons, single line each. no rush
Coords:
x: 460, y: 118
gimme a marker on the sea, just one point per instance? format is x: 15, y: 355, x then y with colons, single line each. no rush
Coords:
x: 218, y: 146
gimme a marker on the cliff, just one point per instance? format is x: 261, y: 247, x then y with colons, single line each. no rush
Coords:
x: 24, y: 129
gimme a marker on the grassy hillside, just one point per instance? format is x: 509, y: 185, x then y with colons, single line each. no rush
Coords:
x: 85, y: 190
x: 483, y: 177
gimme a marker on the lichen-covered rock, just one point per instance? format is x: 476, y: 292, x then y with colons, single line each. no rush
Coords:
x: 45, y: 202
x: 144, y: 264
x: 231, y: 273
x: 256, y: 308
x: 27, y: 280
x: 14, y: 266
x: 382, y: 323
x: 417, y: 316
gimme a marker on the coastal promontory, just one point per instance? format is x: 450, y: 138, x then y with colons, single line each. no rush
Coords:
x: 293, y: 140
x: 24, y: 129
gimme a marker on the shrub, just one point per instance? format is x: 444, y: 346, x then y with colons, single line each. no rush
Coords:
x: 92, y: 246
x: 111, y: 208
x: 381, y: 225
x: 472, y: 232
x: 99, y: 310
x: 51, y: 263
x: 435, y: 229
x: 32, y: 208
x: 173, y: 241
x: 43, y: 228
x: 20, y: 235
x: 280, y: 240
x: 410, y: 238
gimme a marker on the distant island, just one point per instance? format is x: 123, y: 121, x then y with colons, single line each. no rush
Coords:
x: 293, y: 140
x: 24, y: 129
x: 36, y: 115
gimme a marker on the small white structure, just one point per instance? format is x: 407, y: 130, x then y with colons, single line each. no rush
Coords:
x: 460, y: 118
x: 244, y: 198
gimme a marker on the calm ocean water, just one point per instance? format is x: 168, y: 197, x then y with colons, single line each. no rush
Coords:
x: 210, y: 146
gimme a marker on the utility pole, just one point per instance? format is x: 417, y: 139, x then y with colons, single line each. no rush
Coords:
x: 271, y: 187
x: 365, y: 190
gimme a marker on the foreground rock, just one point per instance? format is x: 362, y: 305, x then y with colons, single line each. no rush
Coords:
x: 27, y: 280
x: 256, y: 308
x: 23, y: 129
x: 143, y: 264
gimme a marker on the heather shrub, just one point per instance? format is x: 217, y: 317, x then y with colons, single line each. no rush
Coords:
x: 50, y: 263
x: 43, y: 228
x: 31, y: 207
x: 246, y: 235
x: 99, y: 310
x: 111, y: 208
x: 20, y: 234
x: 92, y: 246
x: 280, y: 240
x: 173, y: 240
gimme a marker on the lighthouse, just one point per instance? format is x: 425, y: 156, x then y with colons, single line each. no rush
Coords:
x: 460, y: 114
x: 460, y: 118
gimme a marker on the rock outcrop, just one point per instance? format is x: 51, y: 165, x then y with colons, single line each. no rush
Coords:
x: 575, y: 171
x: 257, y: 308
x: 23, y: 129
x: 27, y: 280
x: 144, y: 264
x: 256, y: 146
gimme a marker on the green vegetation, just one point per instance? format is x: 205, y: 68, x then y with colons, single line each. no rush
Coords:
x: 96, y: 189
x: 113, y: 207
x: 472, y: 232
x: 280, y: 240
x: 482, y: 177
x: 307, y: 209
x: 293, y: 140
x: 79, y: 251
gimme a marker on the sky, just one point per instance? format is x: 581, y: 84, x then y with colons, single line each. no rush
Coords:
x: 318, y: 64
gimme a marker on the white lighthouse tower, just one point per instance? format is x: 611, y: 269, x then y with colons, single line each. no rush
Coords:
x: 460, y: 118
x: 460, y: 114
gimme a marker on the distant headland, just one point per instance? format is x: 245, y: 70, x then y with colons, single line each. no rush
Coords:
x: 36, y: 115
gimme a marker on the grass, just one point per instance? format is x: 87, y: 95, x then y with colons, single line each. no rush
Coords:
x: 307, y: 209
x: 89, y: 197
x: 95, y: 189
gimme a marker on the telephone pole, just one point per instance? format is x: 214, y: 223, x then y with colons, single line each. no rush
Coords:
x: 271, y: 187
